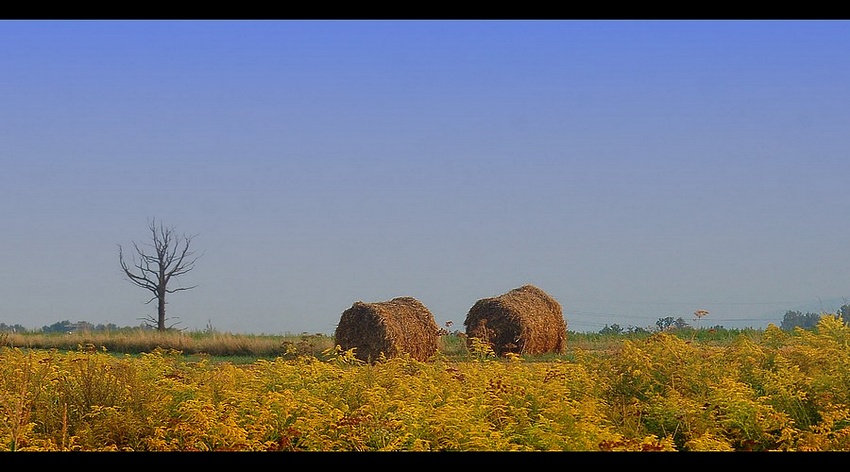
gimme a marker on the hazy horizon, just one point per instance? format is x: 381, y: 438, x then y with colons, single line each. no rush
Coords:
x: 633, y: 170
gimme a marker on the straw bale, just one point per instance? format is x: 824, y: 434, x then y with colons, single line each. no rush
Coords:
x: 525, y: 320
x: 401, y: 325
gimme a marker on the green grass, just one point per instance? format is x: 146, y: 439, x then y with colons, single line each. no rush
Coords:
x: 247, y: 348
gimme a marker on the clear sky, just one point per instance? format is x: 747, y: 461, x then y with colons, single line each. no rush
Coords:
x: 633, y: 170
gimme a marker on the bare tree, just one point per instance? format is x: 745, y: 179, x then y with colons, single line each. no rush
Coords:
x: 169, y: 259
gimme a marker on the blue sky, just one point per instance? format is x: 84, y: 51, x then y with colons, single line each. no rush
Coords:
x: 633, y: 170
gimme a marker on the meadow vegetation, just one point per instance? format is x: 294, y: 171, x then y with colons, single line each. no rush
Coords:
x: 670, y: 390
x: 207, y: 343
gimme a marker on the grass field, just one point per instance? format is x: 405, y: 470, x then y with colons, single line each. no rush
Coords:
x: 248, y: 347
x: 686, y: 390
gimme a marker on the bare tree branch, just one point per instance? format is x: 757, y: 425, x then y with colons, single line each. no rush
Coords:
x: 169, y: 257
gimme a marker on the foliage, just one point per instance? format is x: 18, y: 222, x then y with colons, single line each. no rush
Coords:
x: 796, y: 319
x: 672, y: 390
x: 16, y: 328
x: 211, y: 343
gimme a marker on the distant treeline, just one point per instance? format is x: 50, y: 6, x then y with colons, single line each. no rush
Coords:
x: 792, y: 319
x: 68, y: 327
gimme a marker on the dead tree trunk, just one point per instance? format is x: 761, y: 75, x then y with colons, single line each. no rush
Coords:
x: 169, y: 257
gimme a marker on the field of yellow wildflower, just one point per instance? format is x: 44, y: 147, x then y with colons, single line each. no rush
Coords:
x: 783, y: 391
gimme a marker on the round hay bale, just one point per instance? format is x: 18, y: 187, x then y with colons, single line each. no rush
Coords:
x: 400, y: 325
x: 525, y: 320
